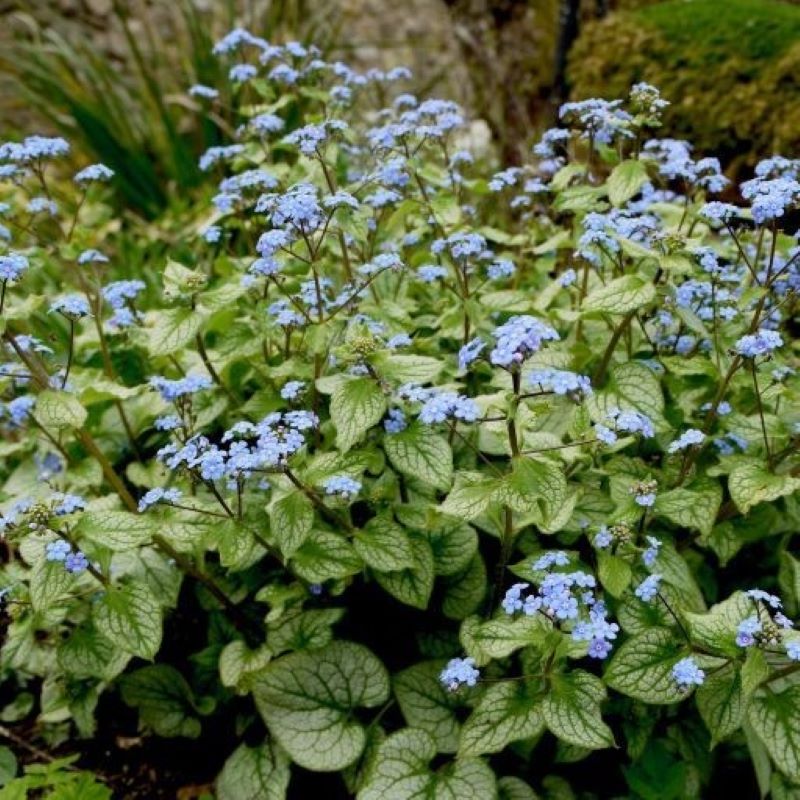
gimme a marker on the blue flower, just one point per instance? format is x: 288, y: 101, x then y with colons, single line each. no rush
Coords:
x: 342, y: 485
x: 598, y: 631
x: 605, y: 435
x: 167, y: 423
x: 12, y: 266
x: 650, y: 555
x: 159, y: 495
x: 446, y: 405
x: 214, y: 155
x: 561, y: 382
x: 34, y: 148
x: 42, y: 205
x: 292, y: 390
x: 73, y: 306
x: 57, y: 550
x: 568, y: 278
x: 92, y: 256
x: 600, y: 120
x: 603, y: 539
x: 241, y: 73
x: 770, y: 198
x: 519, y: 338
x: 94, y: 172
x: 459, y: 672
x: 761, y: 343
x: 469, y: 352
x: 513, y: 600
x: 553, y: 558
x: 206, y: 92
x: 648, y: 588
x: 765, y: 597
x: 395, y: 421
x: 718, y: 213
x: 264, y: 124
x: 793, y: 651
x: 76, y: 562
x: 687, y: 439
x: 686, y: 674
x: 632, y: 422
x: 172, y: 390
x: 746, y: 630
x: 428, y: 273
x: 19, y: 409
x: 212, y: 234
x: 67, y: 504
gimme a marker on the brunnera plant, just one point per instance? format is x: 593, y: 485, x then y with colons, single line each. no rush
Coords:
x: 546, y: 420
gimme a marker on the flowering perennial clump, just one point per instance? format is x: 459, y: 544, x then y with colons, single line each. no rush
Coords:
x: 540, y: 421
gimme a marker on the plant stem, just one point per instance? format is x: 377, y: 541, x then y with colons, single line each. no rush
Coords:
x: 612, y: 344
x: 70, y: 353
x: 761, y: 411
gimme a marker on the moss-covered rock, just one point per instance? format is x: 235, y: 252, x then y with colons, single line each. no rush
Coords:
x: 731, y: 70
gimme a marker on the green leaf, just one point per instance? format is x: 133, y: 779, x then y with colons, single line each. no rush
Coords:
x: 355, y: 407
x: 453, y: 547
x: 614, y: 572
x: 303, y: 630
x: 465, y: 591
x: 755, y: 670
x: 537, y: 487
x: 642, y: 667
x: 571, y: 710
x: 384, y: 545
x: 427, y: 705
x: 169, y: 330
x: 507, y: 712
x: 49, y: 583
x: 130, y: 618
x: 759, y: 757
x: 116, y: 530
x: 8, y: 765
x: 324, y: 556
x: 404, y: 368
x: 56, y: 410
x: 291, y: 518
x: 620, y: 296
x: 632, y: 387
x: 468, y: 500
x: 236, y: 545
x: 716, y: 629
x: 695, y: 507
x: 720, y: 703
x: 87, y: 654
x: 413, y: 585
x: 510, y: 788
x: 401, y: 772
x: 625, y: 180
x: 308, y: 700
x: 751, y: 484
x: 254, y: 773
x: 238, y: 663
x: 775, y: 717
x: 500, y: 637
x: 163, y: 699
x: 422, y: 454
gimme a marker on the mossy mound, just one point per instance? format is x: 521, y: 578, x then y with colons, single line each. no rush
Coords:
x: 730, y: 68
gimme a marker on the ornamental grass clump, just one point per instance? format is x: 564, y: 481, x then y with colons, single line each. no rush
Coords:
x: 432, y: 465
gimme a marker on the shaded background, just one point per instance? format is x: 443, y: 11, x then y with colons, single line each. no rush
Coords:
x: 112, y: 74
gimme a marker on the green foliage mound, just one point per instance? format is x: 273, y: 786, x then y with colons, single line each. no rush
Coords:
x: 396, y: 478
x: 731, y: 70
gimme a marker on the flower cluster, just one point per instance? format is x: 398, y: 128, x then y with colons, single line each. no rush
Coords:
x: 459, y: 672
x: 566, y: 597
